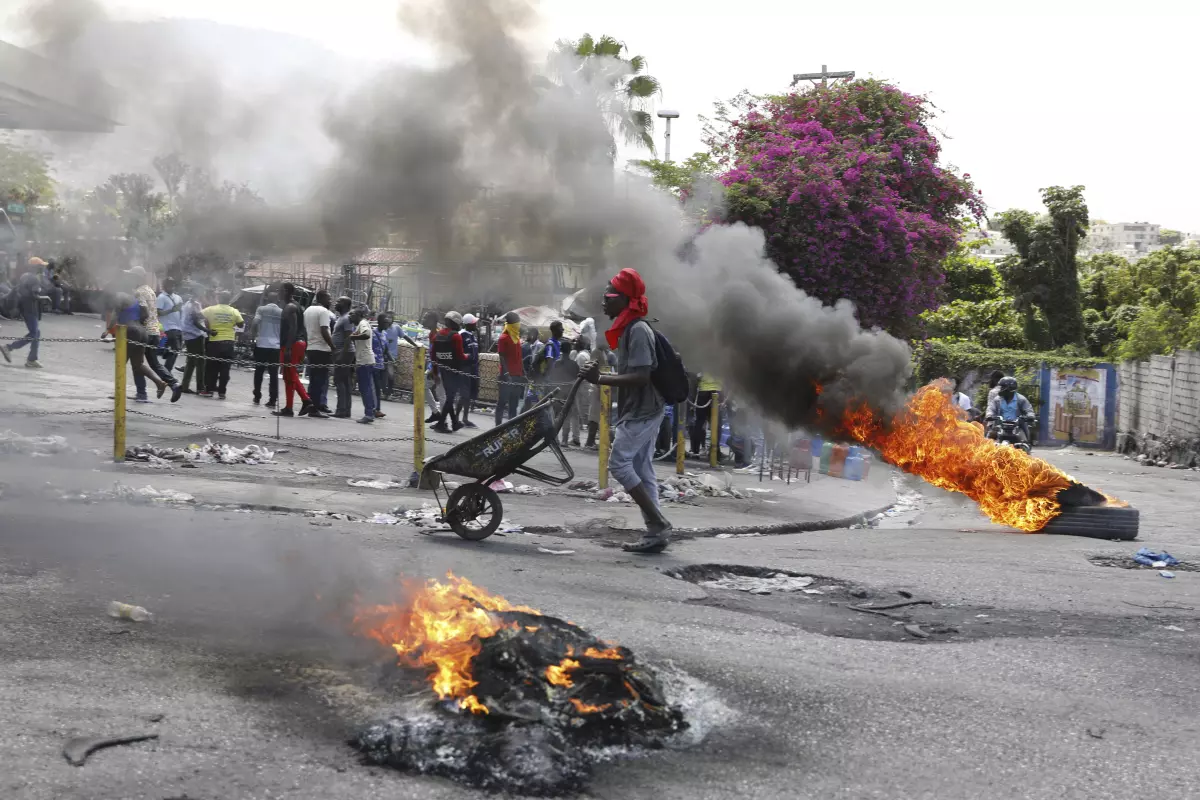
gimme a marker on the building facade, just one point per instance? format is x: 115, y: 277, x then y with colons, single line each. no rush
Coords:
x: 1124, y: 238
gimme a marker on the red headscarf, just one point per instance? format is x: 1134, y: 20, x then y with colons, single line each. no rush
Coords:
x: 630, y: 284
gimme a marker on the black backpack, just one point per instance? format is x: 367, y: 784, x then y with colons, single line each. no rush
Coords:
x: 669, y: 377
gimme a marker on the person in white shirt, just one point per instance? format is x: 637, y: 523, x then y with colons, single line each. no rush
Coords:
x: 318, y: 324
x: 170, y: 316
x: 364, y: 363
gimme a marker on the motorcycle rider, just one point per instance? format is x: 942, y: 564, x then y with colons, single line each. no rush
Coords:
x: 1009, y: 405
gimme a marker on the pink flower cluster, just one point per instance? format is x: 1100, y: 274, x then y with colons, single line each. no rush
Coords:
x: 846, y: 184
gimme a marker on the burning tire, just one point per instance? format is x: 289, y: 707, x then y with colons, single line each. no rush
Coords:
x: 1096, y: 522
x: 474, y: 511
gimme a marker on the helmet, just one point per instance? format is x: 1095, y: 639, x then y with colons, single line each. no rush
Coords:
x: 1008, y: 384
x: 455, y: 317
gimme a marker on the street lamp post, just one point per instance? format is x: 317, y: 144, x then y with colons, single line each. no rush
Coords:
x: 668, y: 115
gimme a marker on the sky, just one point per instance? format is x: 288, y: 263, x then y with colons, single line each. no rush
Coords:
x: 1030, y: 94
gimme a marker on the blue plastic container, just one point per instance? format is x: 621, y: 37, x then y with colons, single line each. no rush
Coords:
x: 853, y: 468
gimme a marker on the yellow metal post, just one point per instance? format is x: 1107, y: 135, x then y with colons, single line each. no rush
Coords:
x: 119, y: 396
x: 605, y: 440
x: 714, y: 425
x: 680, y: 424
x: 418, y: 411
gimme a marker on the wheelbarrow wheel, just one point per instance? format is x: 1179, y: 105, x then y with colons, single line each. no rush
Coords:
x: 474, y: 511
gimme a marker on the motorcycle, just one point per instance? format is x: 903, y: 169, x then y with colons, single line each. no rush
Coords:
x: 1008, y: 433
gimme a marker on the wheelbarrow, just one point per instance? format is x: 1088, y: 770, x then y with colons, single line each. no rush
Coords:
x: 474, y: 510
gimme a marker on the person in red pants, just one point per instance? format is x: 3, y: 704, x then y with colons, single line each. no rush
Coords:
x: 292, y: 344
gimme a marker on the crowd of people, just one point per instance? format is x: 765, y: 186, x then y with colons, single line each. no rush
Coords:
x: 336, y: 342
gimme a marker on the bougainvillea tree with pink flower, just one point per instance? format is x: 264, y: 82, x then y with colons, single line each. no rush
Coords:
x: 846, y: 183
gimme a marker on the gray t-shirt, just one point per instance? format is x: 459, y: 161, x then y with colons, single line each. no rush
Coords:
x: 268, y: 318
x: 635, y: 351
x: 340, y: 330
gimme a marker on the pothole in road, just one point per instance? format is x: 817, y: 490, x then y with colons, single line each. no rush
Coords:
x: 835, y: 607
x: 1125, y: 562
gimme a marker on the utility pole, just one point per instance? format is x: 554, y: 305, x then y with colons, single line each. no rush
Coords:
x: 668, y: 115
x: 823, y: 76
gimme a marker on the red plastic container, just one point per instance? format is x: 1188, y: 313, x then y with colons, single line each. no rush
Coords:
x: 837, y: 460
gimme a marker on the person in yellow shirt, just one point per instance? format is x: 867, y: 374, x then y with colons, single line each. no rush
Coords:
x: 222, y: 319
x: 708, y: 390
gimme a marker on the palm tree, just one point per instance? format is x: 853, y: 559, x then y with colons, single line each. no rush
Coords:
x: 620, y: 86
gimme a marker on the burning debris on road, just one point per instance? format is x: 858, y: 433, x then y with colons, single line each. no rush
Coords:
x: 930, y: 438
x: 526, y: 703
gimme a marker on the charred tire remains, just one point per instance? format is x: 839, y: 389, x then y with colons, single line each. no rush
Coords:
x: 557, y: 698
x: 1096, y: 522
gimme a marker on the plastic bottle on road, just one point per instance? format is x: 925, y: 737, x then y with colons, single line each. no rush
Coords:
x: 118, y: 610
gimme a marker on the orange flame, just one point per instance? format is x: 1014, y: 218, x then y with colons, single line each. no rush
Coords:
x: 930, y: 439
x: 557, y: 673
x: 584, y: 708
x: 611, y: 654
x: 440, y: 629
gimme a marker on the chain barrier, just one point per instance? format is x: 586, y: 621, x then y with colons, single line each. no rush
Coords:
x: 32, y: 413
x: 248, y: 435
x: 43, y: 340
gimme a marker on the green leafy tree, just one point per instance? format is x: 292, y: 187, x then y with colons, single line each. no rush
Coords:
x: 969, y: 277
x: 1169, y: 237
x: 24, y: 176
x: 1157, y: 330
x: 992, y: 323
x: 679, y: 177
x: 1044, y: 275
x: 618, y: 83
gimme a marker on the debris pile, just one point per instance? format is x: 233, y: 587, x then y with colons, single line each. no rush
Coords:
x: 207, y: 453
x: 12, y: 443
x: 779, y: 582
x: 146, y: 495
x: 527, y: 702
x: 675, y: 488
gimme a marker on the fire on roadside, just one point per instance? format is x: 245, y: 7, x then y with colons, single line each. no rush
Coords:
x: 930, y: 439
x: 439, y: 629
x: 442, y: 626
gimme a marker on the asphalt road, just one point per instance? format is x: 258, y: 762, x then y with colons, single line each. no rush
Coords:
x: 1044, y: 674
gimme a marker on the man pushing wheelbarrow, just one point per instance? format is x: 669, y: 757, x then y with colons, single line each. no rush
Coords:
x: 649, y: 375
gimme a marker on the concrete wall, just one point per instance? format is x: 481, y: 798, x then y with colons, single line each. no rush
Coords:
x: 1161, y: 396
x: 1159, y: 406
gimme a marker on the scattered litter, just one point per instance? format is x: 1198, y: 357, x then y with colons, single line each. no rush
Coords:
x: 1157, y: 559
x: 427, y: 516
x: 620, y: 497
x: 1173, y: 628
x: 1166, y: 573
x: 12, y: 443
x: 78, y: 749
x: 556, y: 552
x: 757, y: 491
x: 316, y: 473
x: 1095, y: 733
x: 375, y: 484
x: 917, y: 631
x: 812, y: 591
x: 525, y: 488
x: 384, y: 519
x: 118, y: 610
x: 336, y: 515
x: 737, y: 535
x: 779, y: 582
x: 207, y: 453
x: 146, y: 494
